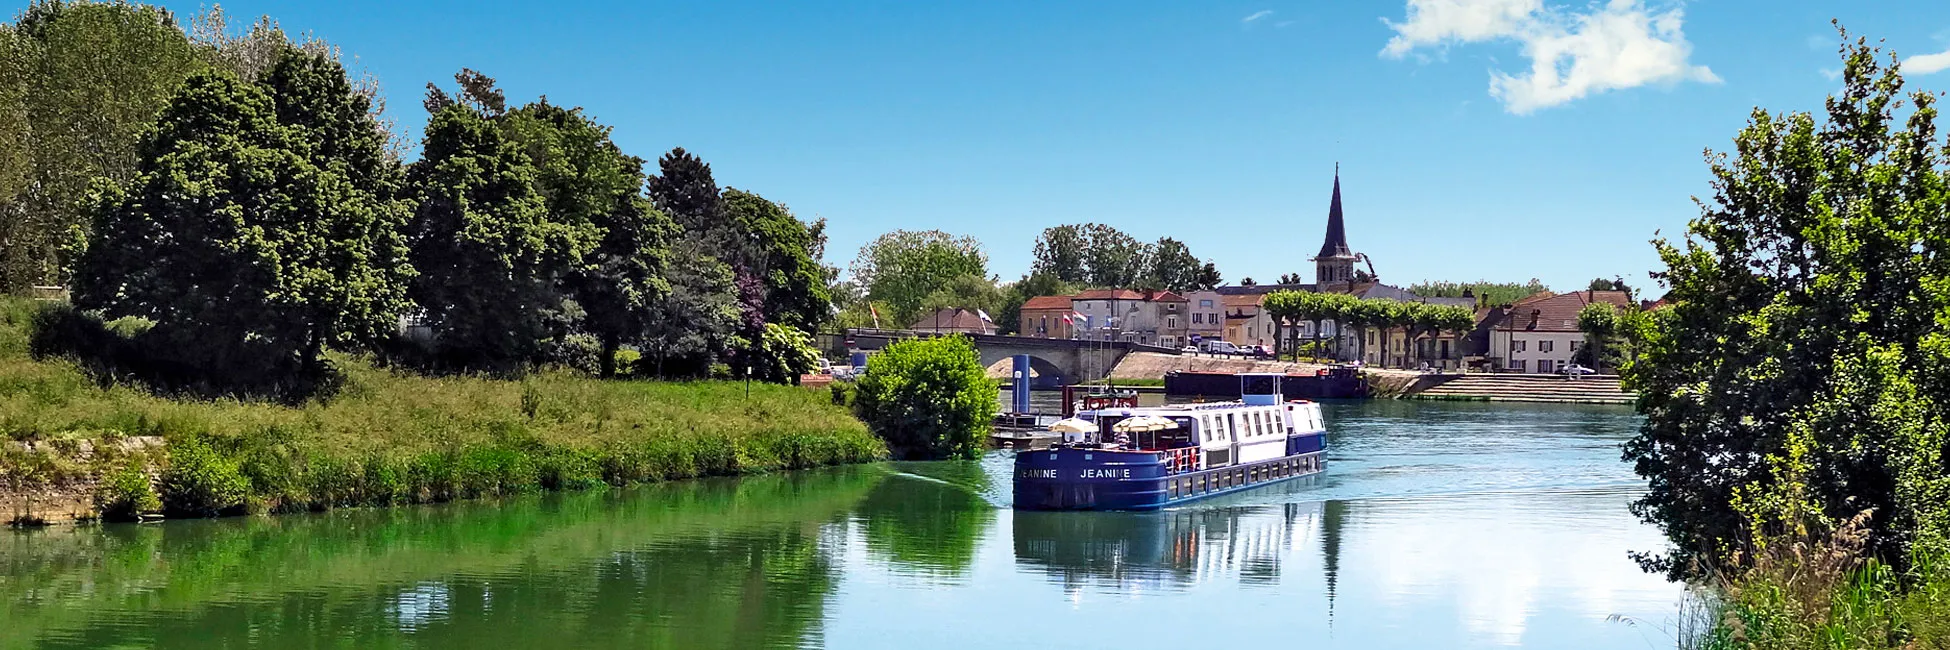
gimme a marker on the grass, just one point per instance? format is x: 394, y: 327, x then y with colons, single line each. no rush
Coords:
x: 1822, y: 593
x: 390, y: 438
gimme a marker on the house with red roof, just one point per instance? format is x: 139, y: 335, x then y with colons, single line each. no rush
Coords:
x: 1539, y: 334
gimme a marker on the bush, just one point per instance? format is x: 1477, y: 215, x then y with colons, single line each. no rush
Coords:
x: 782, y: 354
x: 200, y: 481
x: 126, y: 494
x: 929, y: 398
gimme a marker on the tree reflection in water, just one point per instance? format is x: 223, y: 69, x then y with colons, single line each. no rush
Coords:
x: 704, y: 564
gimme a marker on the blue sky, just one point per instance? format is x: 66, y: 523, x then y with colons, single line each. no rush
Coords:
x: 1218, y: 123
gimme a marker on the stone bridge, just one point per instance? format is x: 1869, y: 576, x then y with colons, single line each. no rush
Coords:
x: 1054, y: 362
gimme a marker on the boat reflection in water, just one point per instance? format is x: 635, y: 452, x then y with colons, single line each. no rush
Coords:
x: 1176, y: 549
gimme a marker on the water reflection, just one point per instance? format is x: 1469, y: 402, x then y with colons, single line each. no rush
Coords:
x: 709, y: 564
x: 1436, y: 526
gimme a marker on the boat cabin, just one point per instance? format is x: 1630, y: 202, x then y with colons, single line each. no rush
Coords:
x: 1208, y: 435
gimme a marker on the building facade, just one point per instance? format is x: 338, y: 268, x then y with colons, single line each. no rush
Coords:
x: 1206, y: 315
x: 1047, y: 317
x: 1540, y: 334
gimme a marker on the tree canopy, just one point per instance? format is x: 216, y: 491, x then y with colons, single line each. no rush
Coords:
x: 247, y: 225
x: 901, y: 269
x: 1797, y: 378
x: 1096, y: 255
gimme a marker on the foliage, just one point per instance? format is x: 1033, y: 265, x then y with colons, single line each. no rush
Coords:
x: 693, y: 325
x: 246, y: 226
x: 783, y: 354
x: 491, y: 257
x: 202, y: 482
x: 80, y: 83
x: 928, y: 398
x: 126, y: 494
x: 685, y: 190
x: 1808, y: 303
x: 1488, y: 294
x: 785, y: 252
x: 390, y: 438
x: 587, y: 182
x: 902, y: 268
x: 1096, y: 255
x: 1172, y: 267
x: 1291, y: 278
x: 1614, y: 284
x: 1415, y: 319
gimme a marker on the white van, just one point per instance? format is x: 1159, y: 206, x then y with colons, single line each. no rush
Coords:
x: 1218, y: 347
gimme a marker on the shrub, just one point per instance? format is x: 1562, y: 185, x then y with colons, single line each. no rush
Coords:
x: 201, y: 481
x: 125, y: 494
x: 929, y: 398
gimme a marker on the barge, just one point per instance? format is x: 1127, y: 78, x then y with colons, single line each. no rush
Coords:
x: 1145, y: 458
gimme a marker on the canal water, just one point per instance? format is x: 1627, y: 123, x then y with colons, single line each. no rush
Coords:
x: 1435, y: 525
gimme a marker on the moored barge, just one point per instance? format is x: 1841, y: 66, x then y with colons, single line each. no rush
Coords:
x: 1145, y: 458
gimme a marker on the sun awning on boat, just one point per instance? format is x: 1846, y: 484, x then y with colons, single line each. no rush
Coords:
x: 1073, y: 425
x: 1143, y: 423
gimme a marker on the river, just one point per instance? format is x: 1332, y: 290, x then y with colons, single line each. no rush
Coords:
x: 1435, y: 525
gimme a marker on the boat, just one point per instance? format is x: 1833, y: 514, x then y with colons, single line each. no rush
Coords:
x: 1146, y: 458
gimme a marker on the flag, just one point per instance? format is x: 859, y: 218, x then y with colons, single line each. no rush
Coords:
x: 876, y: 315
x: 984, y: 315
x: 1068, y: 321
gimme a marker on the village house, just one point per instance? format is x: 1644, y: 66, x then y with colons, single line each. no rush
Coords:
x: 1540, y: 334
x: 1207, y: 320
x: 1047, y: 317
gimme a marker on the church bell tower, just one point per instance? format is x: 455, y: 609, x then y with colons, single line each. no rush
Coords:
x: 1335, y: 263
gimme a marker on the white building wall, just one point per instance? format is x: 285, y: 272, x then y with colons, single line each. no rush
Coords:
x: 1525, y: 351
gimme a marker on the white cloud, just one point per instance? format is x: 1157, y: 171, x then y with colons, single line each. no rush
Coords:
x: 1258, y: 15
x: 1927, y: 63
x: 1572, y: 54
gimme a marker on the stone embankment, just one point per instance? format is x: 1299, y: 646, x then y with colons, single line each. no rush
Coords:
x: 1522, y: 388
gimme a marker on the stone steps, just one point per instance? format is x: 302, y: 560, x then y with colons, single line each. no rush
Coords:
x: 1529, y: 388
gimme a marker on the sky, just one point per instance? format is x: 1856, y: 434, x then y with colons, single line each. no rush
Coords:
x: 1476, y: 139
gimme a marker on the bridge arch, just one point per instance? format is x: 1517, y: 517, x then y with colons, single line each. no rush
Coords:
x: 1044, y: 374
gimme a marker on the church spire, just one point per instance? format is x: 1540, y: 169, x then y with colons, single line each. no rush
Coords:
x: 1336, y: 243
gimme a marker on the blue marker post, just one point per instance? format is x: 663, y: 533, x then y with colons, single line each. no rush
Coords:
x: 1021, y: 402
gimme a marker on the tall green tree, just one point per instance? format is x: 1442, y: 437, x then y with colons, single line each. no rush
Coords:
x: 247, y: 224
x: 1093, y: 254
x: 693, y: 324
x: 785, y: 252
x: 685, y: 190
x: 586, y: 182
x: 902, y: 268
x: 83, y: 82
x: 1172, y: 267
x: 491, y: 260
x: 1796, y: 380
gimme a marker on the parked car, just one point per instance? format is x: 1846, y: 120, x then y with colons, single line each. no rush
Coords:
x: 1575, y: 370
x: 1189, y: 349
x: 1258, y: 351
x: 1219, y: 347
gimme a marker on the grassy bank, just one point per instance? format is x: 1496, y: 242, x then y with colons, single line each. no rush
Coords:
x: 1823, y: 595
x: 389, y: 438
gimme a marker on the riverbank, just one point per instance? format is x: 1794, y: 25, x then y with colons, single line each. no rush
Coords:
x: 72, y: 449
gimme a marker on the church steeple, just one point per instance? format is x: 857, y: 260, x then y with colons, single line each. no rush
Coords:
x: 1335, y: 263
x: 1336, y: 243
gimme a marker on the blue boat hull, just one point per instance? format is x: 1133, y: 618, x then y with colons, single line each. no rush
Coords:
x: 1095, y: 479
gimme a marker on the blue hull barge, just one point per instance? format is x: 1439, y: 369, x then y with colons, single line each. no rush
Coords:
x: 1132, y: 458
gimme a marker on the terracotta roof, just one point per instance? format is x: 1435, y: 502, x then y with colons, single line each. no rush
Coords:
x: 1260, y: 289
x: 1163, y: 296
x: 1557, y: 312
x: 1048, y: 302
x: 1247, y: 300
x: 1110, y: 294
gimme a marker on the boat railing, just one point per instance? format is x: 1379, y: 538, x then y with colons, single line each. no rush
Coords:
x: 1180, y: 460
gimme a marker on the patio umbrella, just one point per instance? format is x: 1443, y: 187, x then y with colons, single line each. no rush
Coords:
x: 1143, y: 423
x: 1073, y: 425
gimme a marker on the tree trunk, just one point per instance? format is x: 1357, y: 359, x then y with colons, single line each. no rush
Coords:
x: 608, y: 363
